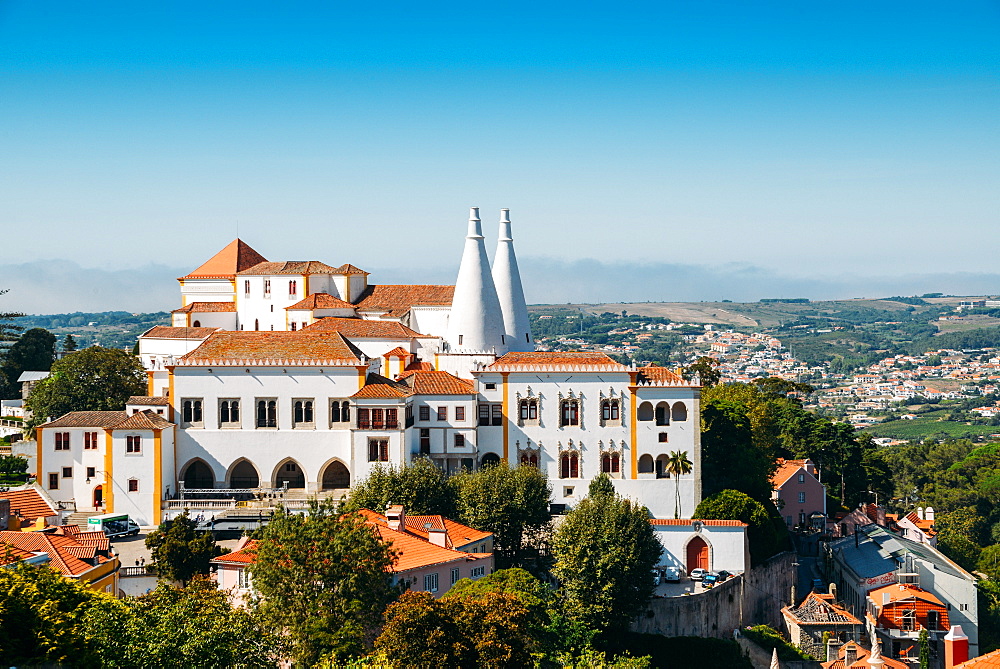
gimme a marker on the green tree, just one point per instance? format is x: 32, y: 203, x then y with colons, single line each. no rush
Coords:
x: 33, y: 351
x: 763, y: 532
x: 421, y: 487
x: 94, y: 379
x: 7, y: 329
x: 925, y: 649
x: 13, y: 467
x: 989, y: 561
x: 601, y: 485
x: 324, y: 579
x: 678, y: 465
x: 604, y: 552
x: 730, y: 459
x: 513, y: 504
x: 705, y: 368
x: 175, y: 628
x: 421, y: 631
x: 179, y: 551
x: 69, y: 344
x: 957, y: 534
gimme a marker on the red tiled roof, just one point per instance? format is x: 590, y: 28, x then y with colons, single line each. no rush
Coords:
x: 56, y: 545
x: 320, y: 301
x: 415, y: 552
x: 10, y: 554
x: 398, y: 352
x: 786, y: 470
x: 988, y: 661
x: 657, y: 373
x: 101, y: 419
x: 245, y: 555
x: 348, y: 268
x: 418, y: 366
x: 600, y: 361
x: 360, y: 328
x: 144, y: 420
x: 206, y: 308
x: 302, y: 267
x: 329, y: 348
x: 437, y: 383
x: 146, y: 400
x: 236, y: 257
x: 708, y: 523
x: 900, y: 591
x: 378, y: 387
x: 166, y: 332
x: 28, y: 503
x: 397, y: 300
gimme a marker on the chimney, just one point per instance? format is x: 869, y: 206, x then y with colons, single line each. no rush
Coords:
x: 395, y: 517
x: 929, y: 513
x: 476, y: 320
x: 833, y: 648
x: 956, y: 647
x: 850, y: 655
x: 507, y: 280
x: 920, y: 512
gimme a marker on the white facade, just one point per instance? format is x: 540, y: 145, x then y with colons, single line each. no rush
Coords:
x: 719, y: 544
x: 507, y: 279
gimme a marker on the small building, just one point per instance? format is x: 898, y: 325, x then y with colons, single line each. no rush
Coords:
x: 919, y: 526
x: 898, y: 613
x: 715, y: 545
x: 81, y: 556
x: 819, y: 613
x: 28, y: 507
x: 853, y: 655
x: 798, y: 493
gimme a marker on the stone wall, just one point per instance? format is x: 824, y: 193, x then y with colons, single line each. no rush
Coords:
x: 749, y: 599
x: 761, y: 658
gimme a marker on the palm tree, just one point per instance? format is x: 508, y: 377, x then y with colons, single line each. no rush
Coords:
x: 677, y: 466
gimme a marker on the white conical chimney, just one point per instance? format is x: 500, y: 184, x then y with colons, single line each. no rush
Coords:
x: 476, y: 320
x: 507, y: 279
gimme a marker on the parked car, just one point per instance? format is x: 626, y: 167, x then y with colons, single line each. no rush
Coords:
x: 723, y: 575
x: 672, y: 575
x: 698, y: 574
x: 656, y: 577
x: 709, y: 581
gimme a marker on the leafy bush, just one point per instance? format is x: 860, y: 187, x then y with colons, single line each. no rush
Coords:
x: 769, y: 638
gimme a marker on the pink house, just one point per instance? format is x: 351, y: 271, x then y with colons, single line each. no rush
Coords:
x: 798, y: 493
x: 434, y: 553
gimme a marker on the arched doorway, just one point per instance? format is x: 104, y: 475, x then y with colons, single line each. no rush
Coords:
x: 490, y: 460
x: 198, y: 475
x: 662, y: 465
x: 697, y: 554
x: 290, y: 472
x: 336, y: 476
x: 98, y: 497
x: 646, y: 464
x: 244, y: 475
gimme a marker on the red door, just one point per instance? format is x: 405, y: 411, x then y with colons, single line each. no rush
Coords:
x: 697, y: 554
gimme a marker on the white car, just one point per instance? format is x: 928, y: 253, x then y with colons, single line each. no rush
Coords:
x: 698, y: 574
x: 672, y: 575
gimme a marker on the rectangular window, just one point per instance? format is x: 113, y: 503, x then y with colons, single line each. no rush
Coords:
x: 570, y: 414
x: 425, y: 441
x: 67, y: 472
x: 90, y: 440
x: 425, y: 413
x: 484, y: 414
x: 459, y: 440
x: 802, y: 498
x: 378, y: 419
x: 191, y: 412
x: 62, y: 441
x: 267, y: 287
x: 133, y: 485
x: 53, y: 481
x: 242, y: 578
x: 392, y: 419
x: 496, y: 413
x: 442, y: 413
x: 802, y: 478
x: 908, y: 623
x: 933, y: 620
x: 459, y: 414
x: 431, y: 582
x: 133, y: 444
x: 266, y: 413
x: 478, y: 572
x: 364, y: 419
x: 302, y: 413
x: 91, y: 472
x: 454, y: 576
x: 378, y: 450
x: 246, y: 287
x: 663, y: 437
x: 229, y: 413
x: 409, y: 415
x: 491, y: 386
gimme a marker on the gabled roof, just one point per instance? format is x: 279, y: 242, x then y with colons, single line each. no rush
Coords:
x: 437, y: 383
x: 167, y: 332
x: 320, y: 301
x: 245, y: 555
x: 102, y: 419
x: 897, y: 592
x: 363, y: 329
x: 206, y: 308
x: 275, y: 349
x: 144, y: 420
x: 10, y: 554
x: 379, y: 387
x: 419, y: 366
x: 348, y: 269
x: 786, y: 470
x: 301, y: 267
x: 655, y: 373
x: 28, y: 503
x: 988, y: 661
x: 146, y: 400
x: 821, y: 609
x: 56, y: 545
x: 398, y: 352
x: 397, y: 299
x: 529, y: 361
x: 236, y: 257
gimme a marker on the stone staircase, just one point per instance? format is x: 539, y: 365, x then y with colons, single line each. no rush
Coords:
x: 80, y: 518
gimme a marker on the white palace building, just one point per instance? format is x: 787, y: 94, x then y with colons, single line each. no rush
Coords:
x: 298, y: 375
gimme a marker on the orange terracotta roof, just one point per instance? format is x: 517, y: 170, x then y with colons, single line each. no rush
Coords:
x: 55, y: 545
x: 101, y: 419
x: 415, y: 552
x: 10, y: 554
x: 657, y: 373
x: 146, y: 400
x: 144, y: 420
x: 397, y: 300
x: 320, y: 301
x: 348, y: 268
x: 302, y: 267
x: 28, y: 503
x: 707, y: 523
x: 925, y: 525
x: 861, y: 661
x: 821, y: 609
x: 245, y: 555
x: 786, y: 470
x: 236, y: 257
x: 461, y: 535
x: 166, y: 332
x: 528, y: 360
x: 275, y: 348
x: 379, y: 387
x: 418, y: 366
x: 988, y: 661
x: 206, y: 308
x: 437, y: 383
x: 899, y: 591
x: 360, y: 328
x: 398, y: 352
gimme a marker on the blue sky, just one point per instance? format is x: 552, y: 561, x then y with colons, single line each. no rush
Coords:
x: 810, y: 140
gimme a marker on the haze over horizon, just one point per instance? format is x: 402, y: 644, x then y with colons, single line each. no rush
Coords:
x: 648, y: 151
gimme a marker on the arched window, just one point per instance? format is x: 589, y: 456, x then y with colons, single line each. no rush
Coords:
x: 569, y: 465
x: 256, y: 324
x: 229, y: 412
x: 292, y: 288
x: 196, y: 324
x: 646, y: 464
x: 528, y: 409
x: 302, y: 412
x: 191, y: 412
x: 529, y: 458
x: 610, y: 410
x: 679, y: 412
x: 345, y: 412
x: 611, y: 463
x: 569, y: 412
x: 645, y: 411
x: 267, y: 413
x: 335, y: 411
x: 246, y: 287
x: 663, y: 414
x: 244, y: 475
x: 662, y: 466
